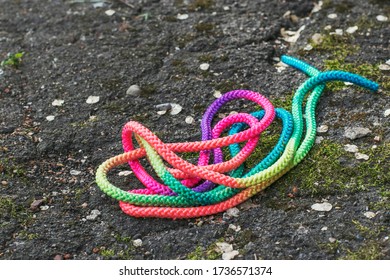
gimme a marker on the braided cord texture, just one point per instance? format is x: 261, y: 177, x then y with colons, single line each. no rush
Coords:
x: 186, y: 190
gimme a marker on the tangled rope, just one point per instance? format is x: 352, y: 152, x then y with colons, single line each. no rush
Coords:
x: 187, y: 190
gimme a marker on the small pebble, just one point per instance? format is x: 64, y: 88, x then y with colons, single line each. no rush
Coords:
x: 36, y: 203
x: 308, y: 47
x: 75, y: 172
x: 125, y: 173
x: 204, y: 66
x: 339, y: 32
x: 233, y: 212
x: 224, y: 247
x: 387, y: 113
x: 84, y: 205
x: 351, y: 148
x: 382, y: 18
x: 319, y: 139
x: 356, y: 132
x: 361, y: 156
x: 110, y: 12
x: 58, y: 257
x: 189, y: 120
x: 235, y: 228
x: 164, y: 106
x: 137, y: 243
x: 369, y: 214
x: 176, y: 109
x: 352, y: 29
x: 94, y: 214
x: 44, y: 207
x: 50, y: 118
x: 332, y: 240
x: 377, y: 138
x: 92, y: 99
x: 58, y: 102
x: 161, y: 113
x: 230, y: 255
x: 317, y: 38
x: 280, y: 66
x: 384, y: 67
x: 217, y: 94
x: 226, y: 8
x: 134, y: 90
x: 324, y: 207
x: 322, y: 129
x: 328, y: 27
x: 332, y: 16
x: 4, y: 183
x: 388, y: 62
x: 182, y: 16
x: 324, y: 228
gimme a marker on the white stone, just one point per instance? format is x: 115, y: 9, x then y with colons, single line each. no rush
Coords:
x: 292, y: 36
x: 125, y: 173
x: 217, y: 94
x: 163, y: 112
x: 176, y: 109
x: 332, y: 239
x: 189, y: 120
x: 338, y: 31
x: 332, y: 16
x: 224, y: 247
x: 235, y: 228
x: 110, y: 12
x: 230, y: 255
x: 92, y: 99
x: 44, y: 207
x: 308, y: 47
x: 387, y: 113
x: 233, y: 212
x: 319, y: 139
x: 280, y: 66
x: 351, y: 148
x: 137, y: 243
x: 361, y: 156
x: 75, y: 172
x: 369, y: 214
x: 328, y: 27
x: 356, y: 132
x: 322, y: 128
x: 182, y: 16
x: 382, y: 18
x: 317, y: 38
x: 317, y: 7
x: 226, y: 8
x: 204, y: 66
x: 388, y: 61
x: 134, y: 90
x: 352, y: 29
x: 324, y: 228
x: 324, y: 206
x: 58, y: 102
x: 384, y: 67
x: 50, y: 118
x: 94, y: 214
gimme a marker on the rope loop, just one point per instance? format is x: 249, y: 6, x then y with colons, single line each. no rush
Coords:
x: 220, y: 180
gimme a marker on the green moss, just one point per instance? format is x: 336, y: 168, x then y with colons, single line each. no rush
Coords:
x: 337, y: 46
x: 312, y: 175
x: 170, y: 18
x: 10, y: 169
x: 210, y: 253
x: 10, y: 210
x: 343, y: 7
x: 205, y: 58
x: 148, y: 90
x: 369, y: 251
x: 205, y: 27
x: 107, y: 253
x: 13, y: 60
x: 200, y: 5
x: 327, y: 4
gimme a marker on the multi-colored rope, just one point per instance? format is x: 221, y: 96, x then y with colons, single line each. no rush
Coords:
x: 187, y: 190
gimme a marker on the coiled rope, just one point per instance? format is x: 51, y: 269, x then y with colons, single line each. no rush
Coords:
x: 187, y: 190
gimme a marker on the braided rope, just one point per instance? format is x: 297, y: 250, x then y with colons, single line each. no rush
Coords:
x: 188, y: 190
